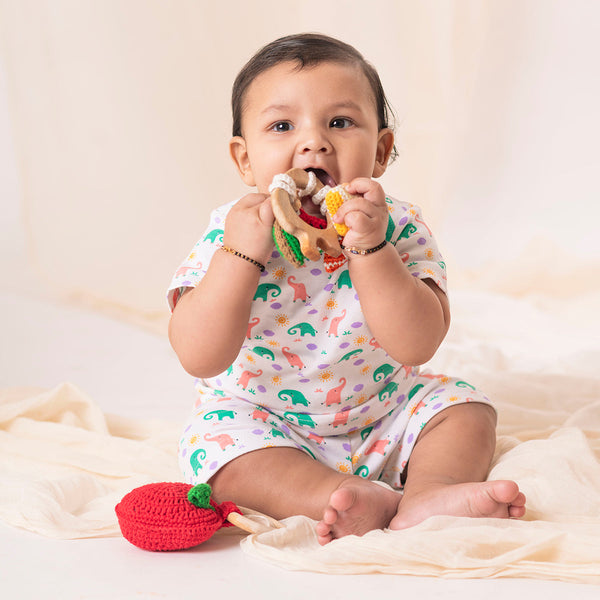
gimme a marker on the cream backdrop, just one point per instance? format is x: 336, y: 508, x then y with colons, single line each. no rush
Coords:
x: 118, y: 113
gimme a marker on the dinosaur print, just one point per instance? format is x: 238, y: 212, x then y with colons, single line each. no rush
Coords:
x: 220, y: 414
x: 195, y: 458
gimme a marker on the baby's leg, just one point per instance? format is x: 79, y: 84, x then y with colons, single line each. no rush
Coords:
x: 448, y: 467
x: 282, y: 482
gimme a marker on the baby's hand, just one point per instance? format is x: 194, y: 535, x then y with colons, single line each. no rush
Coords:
x: 366, y: 216
x: 248, y: 227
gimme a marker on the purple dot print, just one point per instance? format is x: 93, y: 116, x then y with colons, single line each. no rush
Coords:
x: 410, y: 439
x: 268, y: 332
x: 359, y: 387
x: 276, y: 306
x: 357, y: 324
x: 315, y: 272
x: 421, y: 241
x: 262, y: 389
x: 311, y: 346
x: 184, y: 453
x: 344, y: 345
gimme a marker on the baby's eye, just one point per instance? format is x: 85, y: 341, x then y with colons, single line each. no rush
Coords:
x: 341, y: 123
x: 281, y: 127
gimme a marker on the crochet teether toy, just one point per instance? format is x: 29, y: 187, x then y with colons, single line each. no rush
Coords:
x: 295, y: 235
x: 176, y: 516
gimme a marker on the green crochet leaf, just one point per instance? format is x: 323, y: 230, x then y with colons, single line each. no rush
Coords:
x: 199, y: 496
x: 293, y: 244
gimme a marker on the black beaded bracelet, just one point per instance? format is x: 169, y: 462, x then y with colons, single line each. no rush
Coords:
x: 363, y: 252
x: 260, y: 266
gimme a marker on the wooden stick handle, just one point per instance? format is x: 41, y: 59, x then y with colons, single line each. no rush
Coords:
x: 247, y: 524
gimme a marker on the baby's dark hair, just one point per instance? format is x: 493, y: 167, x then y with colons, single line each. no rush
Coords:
x: 307, y: 49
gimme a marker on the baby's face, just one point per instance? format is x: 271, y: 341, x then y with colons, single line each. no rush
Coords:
x: 322, y: 117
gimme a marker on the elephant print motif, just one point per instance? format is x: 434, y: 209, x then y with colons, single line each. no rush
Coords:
x: 253, y: 323
x: 223, y: 439
x: 264, y: 352
x: 302, y: 419
x: 333, y: 326
x: 293, y: 396
x: 246, y: 376
x: 260, y: 415
x: 264, y: 289
x: 293, y: 359
x: 377, y: 446
x: 299, y: 289
x: 303, y: 329
x: 382, y: 372
x: 388, y: 390
x: 334, y: 395
x: 341, y: 418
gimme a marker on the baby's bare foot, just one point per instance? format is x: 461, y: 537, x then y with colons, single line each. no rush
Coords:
x: 497, y: 499
x: 356, y: 507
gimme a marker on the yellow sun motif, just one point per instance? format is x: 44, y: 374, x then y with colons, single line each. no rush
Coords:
x: 360, y: 339
x: 453, y: 399
x: 194, y: 439
x: 331, y: 304
x: 273, y: 343
x: 279, y: 273
x: 361, y: 399
x: 192, y: 256
x: 365, y: 369
x: 250, y: 358
x: 276, y: 380
x: 343, y: 468
x: 369, y: 421
x: 429, y: 272
x: 355, y: 459
x: 282, y: 320
x: 326, y: 376
x: 429, y: 253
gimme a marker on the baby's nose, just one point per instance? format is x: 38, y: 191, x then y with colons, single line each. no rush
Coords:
x: 315, y: 141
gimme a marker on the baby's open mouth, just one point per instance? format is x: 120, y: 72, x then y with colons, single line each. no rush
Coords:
x: 324, y: 177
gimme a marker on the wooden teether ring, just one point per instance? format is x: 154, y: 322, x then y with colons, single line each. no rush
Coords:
x: 311, y: 239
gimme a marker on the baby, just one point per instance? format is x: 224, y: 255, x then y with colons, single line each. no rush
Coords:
x: 309, y: 390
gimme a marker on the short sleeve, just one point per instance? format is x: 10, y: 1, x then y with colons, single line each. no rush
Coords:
x: 193, y: 268
x: 415, y: 243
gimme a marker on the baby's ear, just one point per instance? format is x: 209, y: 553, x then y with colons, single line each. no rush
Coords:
x: 385, y: 145
x: 239, y: 154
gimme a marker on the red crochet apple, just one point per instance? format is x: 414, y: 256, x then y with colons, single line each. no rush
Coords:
x: 174, y: 516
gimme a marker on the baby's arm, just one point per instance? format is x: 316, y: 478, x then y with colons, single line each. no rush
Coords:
x: 210, y: 321
x: 409, y: 317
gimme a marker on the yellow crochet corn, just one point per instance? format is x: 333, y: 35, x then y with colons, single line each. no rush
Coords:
x: 333, y: 200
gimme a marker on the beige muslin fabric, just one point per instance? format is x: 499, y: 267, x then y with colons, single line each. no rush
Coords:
x: 64, y: 465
